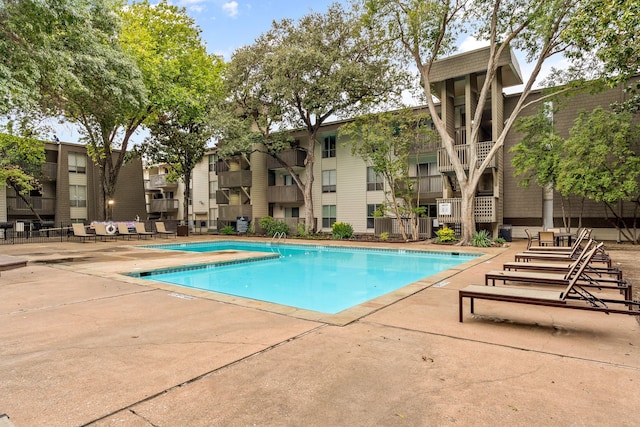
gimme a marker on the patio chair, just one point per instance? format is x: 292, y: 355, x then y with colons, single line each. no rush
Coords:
x: 80, y: 232
x: 584, y: 234
x: 546, y: 238
x: 562, y: 279
x: 529, y: 256
x: 574, y: 296
x: 123, y: 231
x: 162, y: 230
x: 101, y: 232
x: 142, y: 231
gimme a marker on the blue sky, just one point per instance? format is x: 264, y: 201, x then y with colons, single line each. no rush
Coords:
x: 229, y: 24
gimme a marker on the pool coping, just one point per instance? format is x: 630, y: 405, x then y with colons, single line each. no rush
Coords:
x: 342, y: 318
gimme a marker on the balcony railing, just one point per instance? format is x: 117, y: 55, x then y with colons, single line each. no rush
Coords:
x: 231, y: 212
x: 484, y: 210
x: 42, y: 205
x: 284, y: 194
x: 160, y: 181
x: 234, y: 179
x: 50, y: 170
x: 463, y: 153
x: 429, y: 185
x: 429, y: 145
x: 294, y: 158
x: 222, y: 197
x: 163, y: 205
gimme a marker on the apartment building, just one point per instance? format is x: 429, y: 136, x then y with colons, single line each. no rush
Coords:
x: 71, y: 192
x: 346, y: 188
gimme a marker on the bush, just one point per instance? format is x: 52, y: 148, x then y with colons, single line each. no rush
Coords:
x: 445, y: 234
x: 227, y: 229
x: 273, y: 226
x: 499, y: 241
x: 302, y: 231
x: 341, y: 230
x: 481, y: 239
x: 384, y: 236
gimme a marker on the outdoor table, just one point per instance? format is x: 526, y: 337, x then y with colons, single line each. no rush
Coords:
x: 561, y: 236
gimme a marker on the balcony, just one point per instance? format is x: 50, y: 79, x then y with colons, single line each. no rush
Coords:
x: 294, y: 158
x: 429, y: 186
x: 284, y: 194
x: 158, y: 182
x: 222, y: 197
x: 234, y: 179
x: 484, y: 211
x: 42, y: 205
x: 50, y: 171
x: 430, y: 144
x: 163, y: 205
x: 231, y: 212
x: 463, y: 153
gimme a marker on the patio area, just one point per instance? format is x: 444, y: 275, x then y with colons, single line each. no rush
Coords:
x: 82, y: 345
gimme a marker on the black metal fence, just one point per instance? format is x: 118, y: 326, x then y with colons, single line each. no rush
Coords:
x: 17, y: 232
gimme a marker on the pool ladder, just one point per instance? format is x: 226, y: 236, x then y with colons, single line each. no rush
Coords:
x: 277, y: 237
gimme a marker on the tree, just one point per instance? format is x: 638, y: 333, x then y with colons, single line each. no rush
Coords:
x: 601, y: 162
x: 612, y: 41
x: 298, y: 75
x: 424, y: 31
x: 386, y: 141
x: 537, y: 156
x: 21, y: 160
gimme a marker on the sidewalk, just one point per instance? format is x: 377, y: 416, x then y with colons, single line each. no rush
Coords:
x: 82, y: 348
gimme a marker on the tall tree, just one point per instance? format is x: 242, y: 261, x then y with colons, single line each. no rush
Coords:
x: 386, y: 141
x: 298, y: 75
x: 424, y: 31
x: 601, y: 162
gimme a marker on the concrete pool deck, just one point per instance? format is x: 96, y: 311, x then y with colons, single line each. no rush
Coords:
x: 82, y: 345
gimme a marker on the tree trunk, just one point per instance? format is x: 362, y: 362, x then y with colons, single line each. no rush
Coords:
x: 468, y: 219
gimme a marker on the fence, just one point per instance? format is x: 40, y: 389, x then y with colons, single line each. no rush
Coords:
x: 391, y: 226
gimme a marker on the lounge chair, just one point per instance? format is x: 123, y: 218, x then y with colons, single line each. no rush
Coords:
x: 123, y: 231
x: 80, y: 232
x: 561, y: 267
x: 574, y: 296
x: 101, y: 232
x: 529, y: 256
x: 562, y: 279
x: 162, y: 230
x: 142, y: 231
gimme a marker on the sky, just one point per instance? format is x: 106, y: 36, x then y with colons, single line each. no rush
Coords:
x: 230, y: 24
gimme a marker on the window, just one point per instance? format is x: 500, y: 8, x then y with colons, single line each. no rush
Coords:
x: 288, y: 180
x: 374, y: 180
x: 329, y: 147
x: 371, y: 209
x: 292, y: 212
x: 78, y: 196
x: 77, y: 163
x: 328, y: 215
x: 329, y: 181
x: 212, y: 162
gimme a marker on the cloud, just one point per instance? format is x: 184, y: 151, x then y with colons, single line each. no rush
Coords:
x: 472, y: 43
x: 231, y: 8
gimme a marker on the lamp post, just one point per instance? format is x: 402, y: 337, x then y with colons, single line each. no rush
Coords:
x: 110, y: 203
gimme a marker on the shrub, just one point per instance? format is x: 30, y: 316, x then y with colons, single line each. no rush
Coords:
x: 499, y: 241
x: 341, y: 230
x: 227, y: 229
x: 273, y: 226
x: 445, y: 234
x: 481, y: 239
x: 384, y: 236
x: 302, y: 231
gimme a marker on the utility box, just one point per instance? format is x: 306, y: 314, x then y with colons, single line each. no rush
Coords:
x: 242, y: 224
x: 505, y: 232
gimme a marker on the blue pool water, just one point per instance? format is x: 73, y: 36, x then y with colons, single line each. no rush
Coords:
x: 319, y: 278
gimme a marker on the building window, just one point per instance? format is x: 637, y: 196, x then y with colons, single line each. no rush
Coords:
x: 212, y: 162
x: 328, y: 215
x: 288, y: 180
x: 329, y: 147
x: 375, y: 181
x: 371, y: 209
x: 292, y: 212
x: 77, y: 163
x: 329, y: 181
x: 78, y: 196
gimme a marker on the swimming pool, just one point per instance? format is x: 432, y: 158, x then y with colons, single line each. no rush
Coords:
x: 327, y: 279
